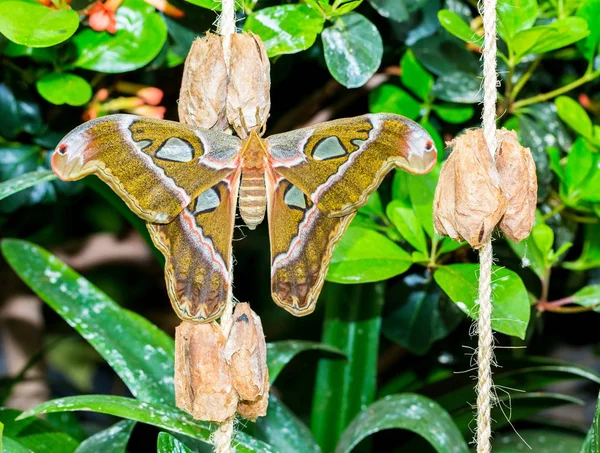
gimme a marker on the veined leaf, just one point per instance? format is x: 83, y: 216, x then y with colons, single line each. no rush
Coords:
x: 24, y: 181
x: 111, y: 440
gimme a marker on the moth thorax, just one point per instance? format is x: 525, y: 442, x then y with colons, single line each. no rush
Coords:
x: 253, y: 197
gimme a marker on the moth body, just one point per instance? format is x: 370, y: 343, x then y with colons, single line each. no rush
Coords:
x: 253, y: 195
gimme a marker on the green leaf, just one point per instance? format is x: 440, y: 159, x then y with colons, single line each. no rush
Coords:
x: 365, y: 255
x: 582, y: 173
x: 389, y: 98
x: 352, y: 324
x: 24, y: 181
x: 141, y: 34
x: 574, y: 115
x: 409, y: 411
x: 588, y: 296
x: 284, y: 431
x: 408, y: 225
x: 455, y: 114
x: 458, y: 87
x: 286, y: 28
x: 548, y: 440
x: 140, y: 353
x: 63, y: 88
x: 168, y: 444
x: 590, y: 11
x: 35, y: 25
x: 414, y: 76
x: 510, y: 299
x: 555, y: 165
x: 165, y: 417
x: 280, y: 353
x: 9, y: 445
x: 449, y: 245
x: 353, y: 49
x: 419, y: 315
x: 18, y: 111
x: 590, y: 255
x: 421, y: 191
x: 397, y: 10
x: 456, y: 25
x: 351, y: 5
x: 534, y: 250
x: 214, y: 5
x: 544, y: 38
x: 110, y: 440
x: 516, y: 15
x: 591, y: 443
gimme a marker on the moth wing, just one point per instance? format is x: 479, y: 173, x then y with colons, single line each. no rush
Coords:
x: 157, y: 167
x: 338, y: 164
x: 197, y: 248
x: 302, y: 242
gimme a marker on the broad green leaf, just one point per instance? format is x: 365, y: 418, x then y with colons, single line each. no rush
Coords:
x: 590, y: 255
x: 110, y: 440
x: 574, y: 115
x: 555, y: 164
x: 452, y: 113
x: 549, y: 440
x: 397, y: 10
x: 516, y: 15
x: 285, y: 432
x: 214, y: 5
x: 407, y: 411
x: 456, y: 25
x: 530, y: 251
x: 166, y: 417
x: 588, y: 296
x: 421, y: 191
x: 543, y: 237
x: 140, y: 353
x: 544, y: 38
x: 414, y: 77
x: 141, y: 34
x: 364, y: 256
x: 9, y: 445
x: 35, y: 25
x: 591, y: 443
x: 510, y: 299
x: 442, y: 54
x: 449, y: 245
x: 40, y: 54
x: 582, y: 175
x: 18, y: 110
x: 286, y: 28
x: 344, y: 388
x: 24, y: 181
x: 408, y: 225
x: 392, y: 99
x: 353, y: 49
x: 168, y: 444
x: 458, y: 87
x: 63, y: 88
x: 345, y: 8
x: 280, y: 353
x: 418, y: 314
x: 590, y: 11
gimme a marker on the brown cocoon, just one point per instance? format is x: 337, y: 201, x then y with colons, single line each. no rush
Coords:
x: 203, y: 94
x: 519, y: 182
x: 203, y: 385
x: 251, y: 410
x: 469, y: 201
x: 248, y: 94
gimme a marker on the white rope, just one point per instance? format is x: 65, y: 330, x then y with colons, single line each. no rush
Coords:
x: 485, y: 347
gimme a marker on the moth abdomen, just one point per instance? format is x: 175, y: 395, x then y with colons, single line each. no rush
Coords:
x: 253, y: 197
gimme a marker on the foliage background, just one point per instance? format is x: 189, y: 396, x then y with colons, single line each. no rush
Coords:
x: 391, y: 350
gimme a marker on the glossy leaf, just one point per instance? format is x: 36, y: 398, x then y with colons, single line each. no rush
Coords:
x: 572, y: 113
x: 280, y: 353
x: 545, y: 38
x: 452, y: 113
x: 408, y: 225
x: 24, y: 181
x: 458, y: 87
x: 344, y: 388
x: 64, y: 88
x: 364, y: 255
x: 421, y: 191
x: 110, y: 440
x: 397, y: 10
x: 213, y: 5
x: 582, y: 173
x: 456, y: 25
x: 392, y: 99
x: 588, y: 296
x: 19, y: 112
x: 590, y: 11
x: 510, y: 299
x: 140, y: 353
x: 549, y: 440
x: 534, y: 249
x: 284, y: 431
x: 141, y: 34
x: 165, y: 417
x: 414, y: 76
x: 590, y: 255
x: 168, y: 444
x: 35, y: 25
x: 353, y: 49
x: 407, y: 411
x: 286, y: 29
x: 516, y: 15
x: 591, y: 443
x: 12, y: 446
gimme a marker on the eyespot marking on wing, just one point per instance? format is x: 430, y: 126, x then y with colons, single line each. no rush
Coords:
x: 142, y: 144
x: 176, y: 149
x: 208, y: 201
x: 294, y: 198
x: 329, y: 148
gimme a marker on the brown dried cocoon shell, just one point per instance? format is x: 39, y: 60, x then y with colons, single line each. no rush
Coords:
x: 203, y: 94
x: 469, y: 201
x: 203, y: 385
x: 246, y: 353
x: 248, y: 94
x: 251, y: 410
x: 519, y: 182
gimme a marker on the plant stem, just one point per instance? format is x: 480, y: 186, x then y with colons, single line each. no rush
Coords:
x: 547, y: 306
x: 587, y: 77
x: 554, y: 211
x: 523, y: 80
